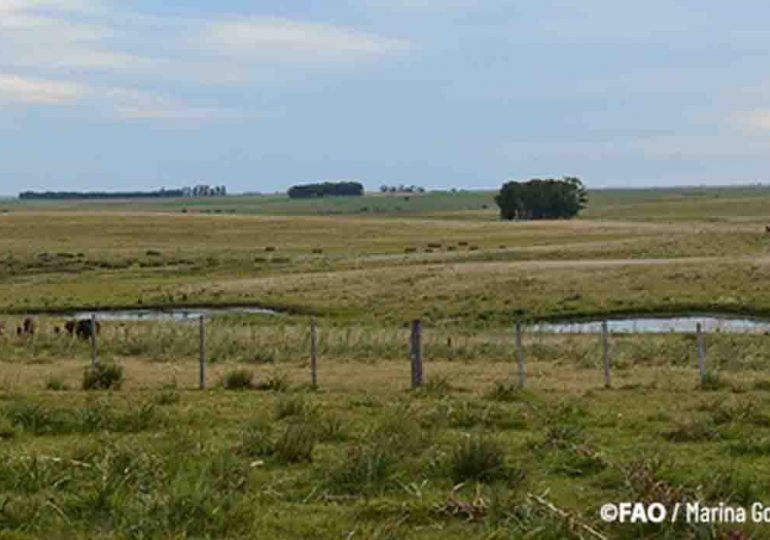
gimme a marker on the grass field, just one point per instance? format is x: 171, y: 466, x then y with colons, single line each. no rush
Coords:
x: 362, y: 456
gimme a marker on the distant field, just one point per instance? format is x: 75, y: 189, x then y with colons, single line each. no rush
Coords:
x: 671, y: 204
x: 388, y: 268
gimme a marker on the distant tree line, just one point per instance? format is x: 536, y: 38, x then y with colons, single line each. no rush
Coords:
x: 327, y: 189
x: 401, y: 188
x: 197, y: 191
x: 542, y: 199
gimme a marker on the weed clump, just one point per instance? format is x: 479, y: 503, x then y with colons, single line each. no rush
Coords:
x: 105, y: 376
x: 478, y: 458
x: 292, y: 406
x: 365, y: 469
x: 239, y: 379
x: 277, y: 382
x: 295, y: 444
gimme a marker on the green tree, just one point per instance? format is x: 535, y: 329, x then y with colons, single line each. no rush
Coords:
x: 542, y: 199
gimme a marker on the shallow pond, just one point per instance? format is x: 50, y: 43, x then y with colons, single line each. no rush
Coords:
x: 179, y: 315
x: 662, y: 325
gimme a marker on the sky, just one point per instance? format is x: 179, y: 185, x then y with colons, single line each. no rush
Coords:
x: 257, y: 95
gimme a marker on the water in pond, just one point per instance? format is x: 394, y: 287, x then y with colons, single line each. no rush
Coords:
x: 179, y: 315
x: 652, y: 325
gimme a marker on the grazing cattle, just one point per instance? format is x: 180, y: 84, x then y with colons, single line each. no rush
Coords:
x: 27, y: 327
x: 81, y: 328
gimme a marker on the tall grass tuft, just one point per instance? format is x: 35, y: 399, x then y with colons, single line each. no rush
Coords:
x: 478, y: 458
x: 103, y: 376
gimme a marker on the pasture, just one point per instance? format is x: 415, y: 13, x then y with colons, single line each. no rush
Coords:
x: 263, y: 454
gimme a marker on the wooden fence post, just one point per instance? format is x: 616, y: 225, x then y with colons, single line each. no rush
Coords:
x: 202, y: 353
x: 416, y: 345
x: 701, y: 351
x: 313, y: 352
x: 94, y: 359
x: 520, y: 355
x: 606, y: 354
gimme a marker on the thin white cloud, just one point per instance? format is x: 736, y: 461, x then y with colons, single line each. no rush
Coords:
x: 82, y: 50
x: 280, y: 39
x: 123, y: 103
x: 16, y: 89
x: 755, y: 120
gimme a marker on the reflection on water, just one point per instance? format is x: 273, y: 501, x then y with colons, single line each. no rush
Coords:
x: 180, y: 315
x: 659, y: 325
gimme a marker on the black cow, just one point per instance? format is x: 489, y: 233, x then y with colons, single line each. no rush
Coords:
x: 27, y: 327
x: 82, y: 328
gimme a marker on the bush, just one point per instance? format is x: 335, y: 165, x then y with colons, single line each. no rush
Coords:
x: 103, y: 377
x: 477, y: 458
x: 239, y: 379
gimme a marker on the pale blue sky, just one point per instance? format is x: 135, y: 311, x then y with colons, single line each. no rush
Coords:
x: 100, y: 94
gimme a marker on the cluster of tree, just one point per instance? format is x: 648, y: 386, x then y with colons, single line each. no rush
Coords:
x: 401, y: 188
x: 197, y: 191
x: 204, y: 190
x: 327, y: 189
x: 62, y: 195
x: 542, y: 199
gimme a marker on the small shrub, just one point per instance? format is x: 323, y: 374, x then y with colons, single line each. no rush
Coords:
x: 103, y: 376
x: 317, y: 251
x: 295, y: 444
x: 152, y: 253
x: 477, y: 458
x: 762, y: 385
x: 55, y: 384
x: 239, y: 379
x: 270, y: 249
x: 410, y: 250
